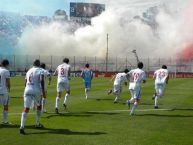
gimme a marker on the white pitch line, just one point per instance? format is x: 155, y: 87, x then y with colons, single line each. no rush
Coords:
x: 139, y: 110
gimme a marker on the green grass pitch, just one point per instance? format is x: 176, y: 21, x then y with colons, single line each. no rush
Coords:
x: 97, y: 121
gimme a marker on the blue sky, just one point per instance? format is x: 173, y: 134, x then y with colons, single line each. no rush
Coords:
x: 36, y: 7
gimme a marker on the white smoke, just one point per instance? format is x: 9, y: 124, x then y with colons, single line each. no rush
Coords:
x: 125, y: 33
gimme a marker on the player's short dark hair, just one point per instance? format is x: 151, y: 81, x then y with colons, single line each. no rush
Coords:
x: 140, y: 65
x: 5, y: 62
x: 66, y: 60
x: 87, y: 65
x: 164, y: 66
x: 36, y: 62
x: 43, y: 65
x: 126, y: 70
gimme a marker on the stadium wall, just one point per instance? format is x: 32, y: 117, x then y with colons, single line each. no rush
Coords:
x: 177, y: 68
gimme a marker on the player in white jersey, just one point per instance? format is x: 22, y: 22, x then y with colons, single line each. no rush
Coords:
x: 34, y: 88
x: 137, y: 76
x: 4, y: 89
x: 119, y: 78
x: 161, y: 77
x: 47, y: 81
x: 63, y: 72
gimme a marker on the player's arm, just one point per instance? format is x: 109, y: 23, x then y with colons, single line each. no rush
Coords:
x: 167, y: 79
x: 154, y: 76
x: 144, y: 78
x: 49, y: 78
x: 91, y: 74
x: 69, y: 72
x: 82, y: 74
x: 42, y: 84
x: 8, y: 84
x: 113, y: 77
x: 55, y: 72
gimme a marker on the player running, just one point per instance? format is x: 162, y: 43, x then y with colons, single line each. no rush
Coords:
x: 34, y: 90
x: 137, y: 76
x: 47, y: 78
x: 63, y: 72
x: 4, y: 89
x: 87, y: 75
x: 117, y: 86
x: 161, y: 77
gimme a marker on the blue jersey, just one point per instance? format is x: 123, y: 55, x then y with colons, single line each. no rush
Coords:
x: 87, y: 74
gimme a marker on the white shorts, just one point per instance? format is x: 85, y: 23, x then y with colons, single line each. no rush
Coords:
x: 117, y: 89
x: 4, y: 99
x: 160, y: 88
x: 29, y: 98
x: 63, y: 85
x: 136, y: 93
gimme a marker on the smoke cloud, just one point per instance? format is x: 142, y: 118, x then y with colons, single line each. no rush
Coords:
x: 127, y: 28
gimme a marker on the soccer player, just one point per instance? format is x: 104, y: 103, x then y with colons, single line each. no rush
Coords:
x: 47, y: 77
x: 137, y: 76
x: 87, y: 75
x: 161, y: 77
x: 4, y: 89
x: 34, y: 90
x: 63, y: 72
x: 117, y: 86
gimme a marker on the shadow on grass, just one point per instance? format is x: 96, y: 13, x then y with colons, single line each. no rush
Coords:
x: 182, y: 109
x: 79, y: 114
x: 67, y: 115
x: 105, y: 99
x: 46, y: 130
x: 103, y: 113
x: 62, y: 131
x: 165, y: 115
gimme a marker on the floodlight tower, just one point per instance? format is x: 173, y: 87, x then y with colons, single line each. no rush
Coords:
x: 136, y: 56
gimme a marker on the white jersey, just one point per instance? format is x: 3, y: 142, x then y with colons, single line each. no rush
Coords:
x: 161, y: 76
x: 4, y: 74
x: 136, y: 77
x: 63, y: 71
x: 33, y: 84
x: 120, y: 77
x: 46, y: 75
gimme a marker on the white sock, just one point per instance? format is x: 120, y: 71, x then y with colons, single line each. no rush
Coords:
x: 133, y: 108
x: 43, y: 103
x: 66, y: 98
x: 86, y: 93
x: 57, y: 102
x: 156, y: 100
x: 117, y: 98
x: 23, y: 119
x: 5, y: 116
x: 38, y: 116
x: 131, y: 100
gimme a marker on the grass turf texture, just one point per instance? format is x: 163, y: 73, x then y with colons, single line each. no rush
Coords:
x: 93, y: 121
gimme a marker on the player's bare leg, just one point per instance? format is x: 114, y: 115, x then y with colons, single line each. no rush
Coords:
x: 43, y: 103
x: 5, y: 115
x: 66, y: 98
x: 59, y: 94
x: 86, y: 92
x: 38, y: 116
x: 23, y: 119
x: 135, y: 105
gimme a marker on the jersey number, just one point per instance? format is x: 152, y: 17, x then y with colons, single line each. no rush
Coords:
x: 30, y: 78
x: 135, y: 76
x: 161, y: 74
